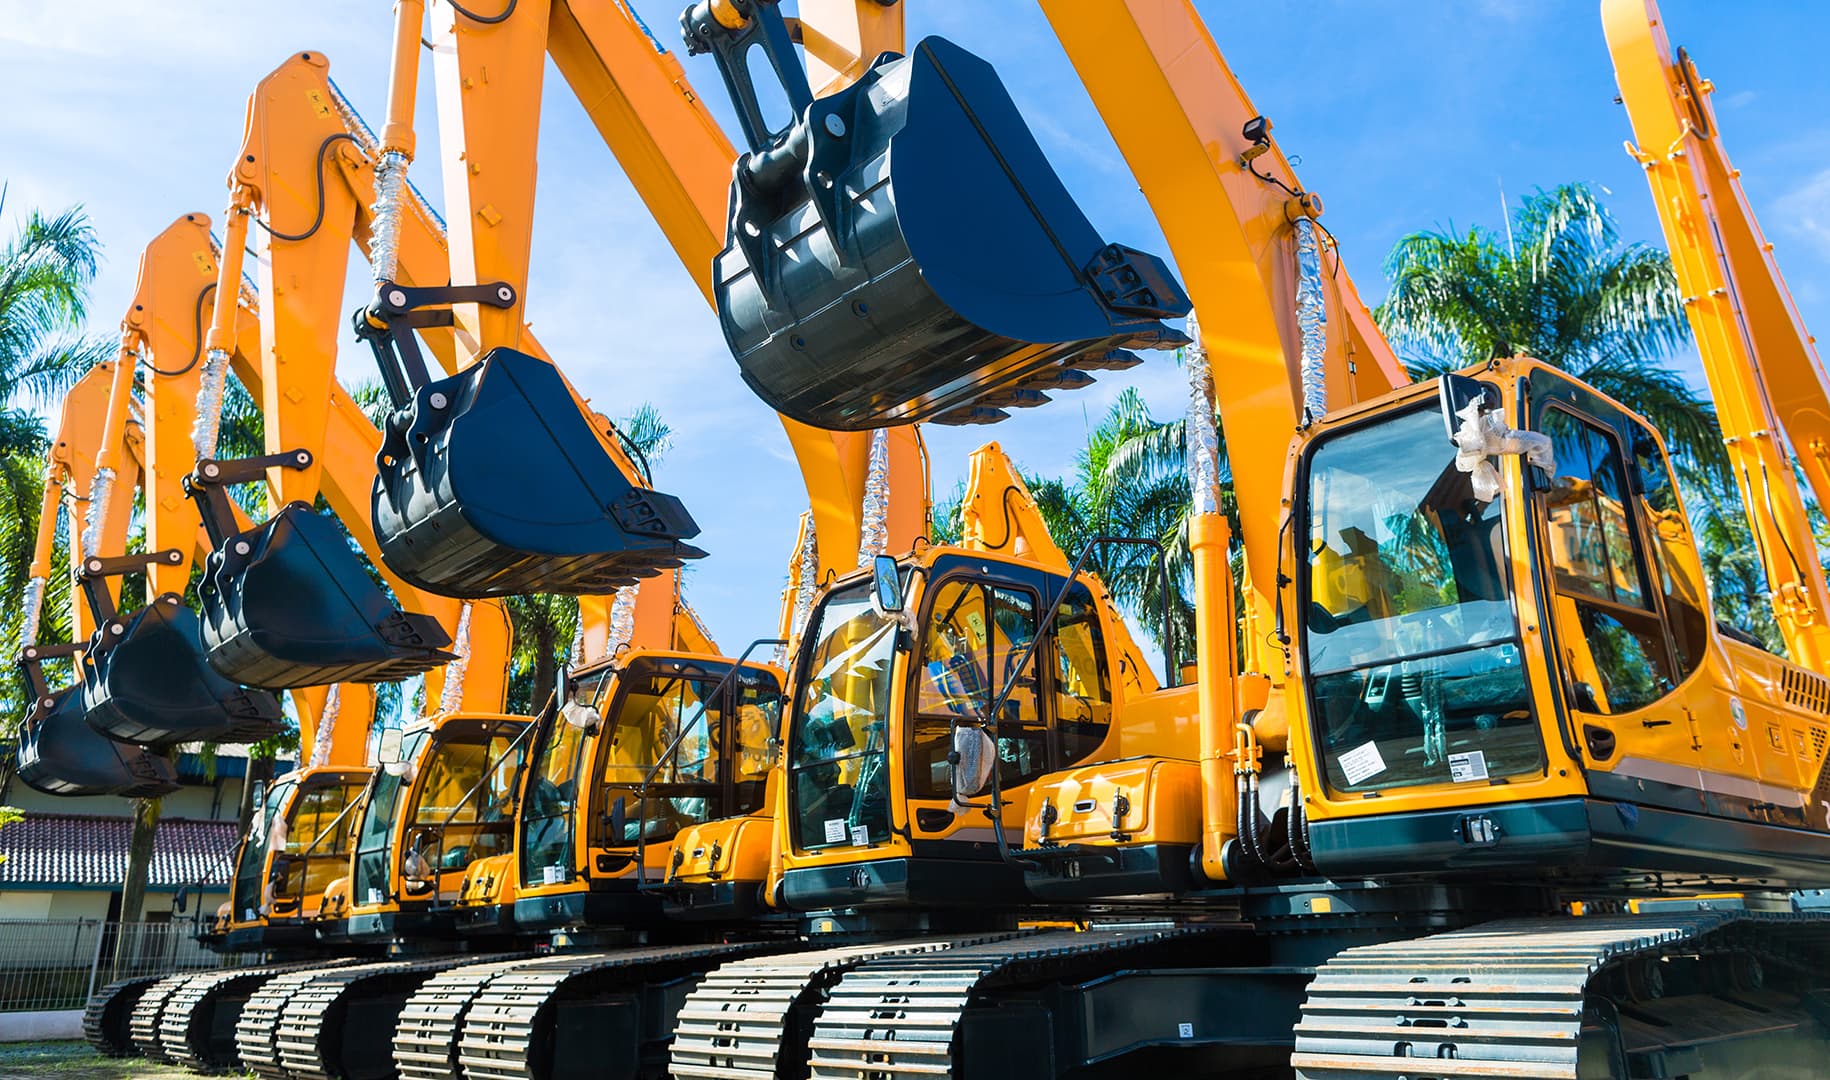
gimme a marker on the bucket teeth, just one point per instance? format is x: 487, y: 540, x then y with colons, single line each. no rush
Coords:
x: 289, y: 603
x: 941, y: 271
x: 461, y: 511
x: 59, y: 754
x: 145, y: 681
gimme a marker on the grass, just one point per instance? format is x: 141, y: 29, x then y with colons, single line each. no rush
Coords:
x: 34, y: 1060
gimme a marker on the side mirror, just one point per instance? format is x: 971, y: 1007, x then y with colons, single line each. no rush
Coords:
x: 619, y: 820
x: 973, y: 757
x: 1585, y: 696
x: 257, y: 820
x: 1457, y: 392
x: 181, y: 900
x: 387, y: 750
x: 886, y: 585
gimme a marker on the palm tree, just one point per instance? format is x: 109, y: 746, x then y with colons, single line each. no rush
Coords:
x: 1561, y: 287
x: 45, y: 272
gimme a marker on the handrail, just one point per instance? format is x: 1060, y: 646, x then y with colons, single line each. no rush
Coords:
x: 718, y: 693
x: 489, y: 766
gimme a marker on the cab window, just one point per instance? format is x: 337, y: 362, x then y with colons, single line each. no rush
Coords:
x: 1616, y: 655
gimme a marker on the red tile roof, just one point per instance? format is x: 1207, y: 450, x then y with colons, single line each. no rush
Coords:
x: 64, y: 850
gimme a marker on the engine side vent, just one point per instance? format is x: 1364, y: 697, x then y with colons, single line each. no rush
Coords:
x: 1805, y: 690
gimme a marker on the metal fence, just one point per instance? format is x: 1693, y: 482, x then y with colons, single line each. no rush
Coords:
x: 48, y: 965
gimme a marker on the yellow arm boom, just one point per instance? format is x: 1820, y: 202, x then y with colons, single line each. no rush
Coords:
x: 1763, y: 368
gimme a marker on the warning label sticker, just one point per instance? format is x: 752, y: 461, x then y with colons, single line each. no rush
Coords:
x: 1362, y: 762
x: 1469, y: 766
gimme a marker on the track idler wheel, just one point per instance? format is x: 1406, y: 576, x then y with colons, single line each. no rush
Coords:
x: 905, y: 252
x: 492, y: 482
x: 288, y: 603
x: 145, y: 681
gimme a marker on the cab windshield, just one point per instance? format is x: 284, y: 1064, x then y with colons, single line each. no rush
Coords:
x: 254, y: 849
x: 838, y: 772
x: 465, y: 810
x: 1409, y: 634
x: 375, y: 838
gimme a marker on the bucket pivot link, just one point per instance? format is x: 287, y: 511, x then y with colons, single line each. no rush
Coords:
x: 495, y: 481
x: 902, y: 250
x: 289, y: 603
x: 59, y: 754
x: 145, y: 680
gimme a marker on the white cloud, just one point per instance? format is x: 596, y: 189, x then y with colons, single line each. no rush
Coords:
x: 1804, y: 213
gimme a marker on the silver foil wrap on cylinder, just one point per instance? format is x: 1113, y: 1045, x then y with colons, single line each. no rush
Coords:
x: 1202, y: 451
x: 874, y: 524
x: 327, y: 723
x: 575, y: 656
x: 1311, y: 321
x: 101, y: 492
x: 33, y: 607
x: 622, y: 619
x: 384, y: 242
x: 806, y: 584
x: 209, y: 403
x: 451, y: 697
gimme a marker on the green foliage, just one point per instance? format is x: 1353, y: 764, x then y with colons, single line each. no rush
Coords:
x: 9, y: 815
x: 46, y: 268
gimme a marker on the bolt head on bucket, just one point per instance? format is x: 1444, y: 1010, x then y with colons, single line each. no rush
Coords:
x: 149, y: 684
x: 922, y: 254
x: 60, y: 754
x: 504, y: 488
x: 288, y: 603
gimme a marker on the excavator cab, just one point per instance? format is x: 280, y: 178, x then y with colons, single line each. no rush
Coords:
x: 493, y: 481
x: 297, y: 844
x: 145, y: 679
x: 288, y: 602
x: 443, y: 798
x: 901, y: 250
x: 59, y: 754
x: 932, y: 694
x: 646, y: 747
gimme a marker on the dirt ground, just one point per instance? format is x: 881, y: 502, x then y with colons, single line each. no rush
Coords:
x: 69, y: 1060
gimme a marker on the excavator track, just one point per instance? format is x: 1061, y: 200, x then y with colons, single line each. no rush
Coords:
x: 1528, y: 997
x: 746, y: 1015
x: 897, y: 1017
x: 194, y: 1029
x: 340, y: 1023
x: 108, y: 1017
x: 259, y: 1025
x: 527, y: 1017
x: 143, y: 1026
x: 426, y: 1038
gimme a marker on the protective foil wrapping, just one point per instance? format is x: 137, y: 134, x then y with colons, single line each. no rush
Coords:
x: 576, y: 654
x: 622, y: 620
x: 384, y: 244
x: 34, y: 605
x: 327, y: 723
x: 806, y: 583
x: 209, y: 403
x: 874, y: 529
x: 1482, y: 435
x: 1311, y: 321
x: 1203, y: 441
x: 452, y: 696
x: 101, y: 490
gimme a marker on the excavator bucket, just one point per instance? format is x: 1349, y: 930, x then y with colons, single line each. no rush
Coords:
x: 59, y: 754
x: 905, y: 252
x: 145, y: 681
x: 288, y: 603
x: 492, y: 483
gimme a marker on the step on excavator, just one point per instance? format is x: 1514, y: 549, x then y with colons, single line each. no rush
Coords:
x: 1535, y: 815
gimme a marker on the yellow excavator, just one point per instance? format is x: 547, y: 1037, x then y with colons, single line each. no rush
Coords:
x: 1472, y: 786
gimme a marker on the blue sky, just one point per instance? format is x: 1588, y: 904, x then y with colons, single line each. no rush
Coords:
x: 1403, y: 115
